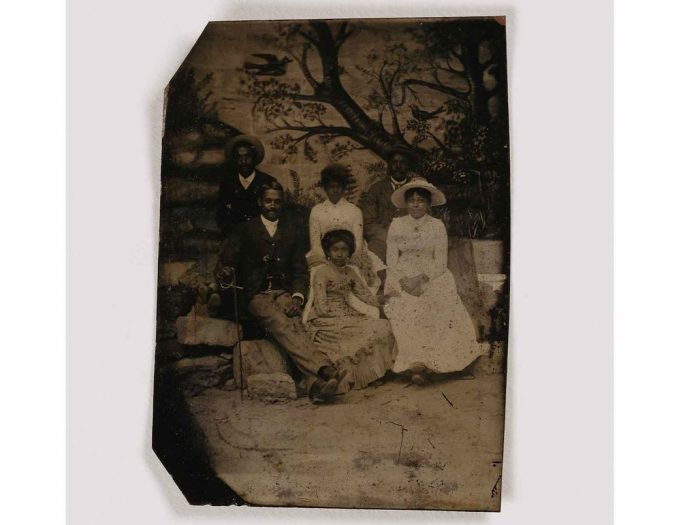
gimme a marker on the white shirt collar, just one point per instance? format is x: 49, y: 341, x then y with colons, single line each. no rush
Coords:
x: 397, y: 183
x: 246, y: 181
x: 425, y: 218
x: 338, y: 204
x: 269, y: 223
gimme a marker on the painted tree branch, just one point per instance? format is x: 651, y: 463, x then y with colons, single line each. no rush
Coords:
x: 440, y: 143
x: 325, y: 44
x: 306, y: 98
x: 380, y: 116
x: 304, y: 65
x: 387, y: 91
x: 436, y: 87
x: 468, y: 58
x: 453, y: 69
x: 404, y: 89
x: 308, y: 37
x: 372, y: 133
x: 361, y: 128
x: 459, y: 56
x: 392, y: 80
x: 316, y: 130
x: 343, y: 35
x: 386, y: 88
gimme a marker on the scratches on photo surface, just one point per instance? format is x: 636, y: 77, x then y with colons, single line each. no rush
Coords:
x: 450, y: 402
x: 496, y: 490
x: 403, y: 430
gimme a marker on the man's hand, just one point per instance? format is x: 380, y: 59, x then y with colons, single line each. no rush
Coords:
x: 225, y: 277
x: 294, y: 308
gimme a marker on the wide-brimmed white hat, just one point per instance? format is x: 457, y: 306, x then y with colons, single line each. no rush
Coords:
x: 437, y: 198
x: 246, y: 140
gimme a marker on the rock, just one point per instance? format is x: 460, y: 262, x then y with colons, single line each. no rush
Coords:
x: 180, y: 191
x: 168, y: 350
x: 165, y: 329
x: 199, y: 373
x: 491, y: 363
x: 170, y: 273
x: 213, y: 362
x: 174, y: 301
x: 197, y: 330
x: 229, y: 385
x: 488, y: 255
x: 271, y: 387
x: 201, y: 218
x: 200, y: 243
x: 490, y: 285
x: 200, y: 273
x: 460, y: 261
x: 212, y: 157
x: 185, y: 226
x: 259, y: 357
x: 192, y: 383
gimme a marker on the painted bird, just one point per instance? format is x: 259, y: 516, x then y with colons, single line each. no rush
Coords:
x: 420, y: 114
x: 273, y: 66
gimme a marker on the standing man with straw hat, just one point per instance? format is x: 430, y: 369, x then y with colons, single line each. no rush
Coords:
x: 238, y: 192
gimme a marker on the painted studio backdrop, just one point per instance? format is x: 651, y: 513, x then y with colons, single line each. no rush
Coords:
x: 353, y: 355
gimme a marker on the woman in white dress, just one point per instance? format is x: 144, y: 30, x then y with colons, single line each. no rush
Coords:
x: 336, y: 213
x: 432, y: 328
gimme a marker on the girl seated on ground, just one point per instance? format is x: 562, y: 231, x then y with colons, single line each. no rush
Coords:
x: 343, y: 318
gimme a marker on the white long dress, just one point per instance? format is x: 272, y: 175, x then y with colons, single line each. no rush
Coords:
x: 433, y: 330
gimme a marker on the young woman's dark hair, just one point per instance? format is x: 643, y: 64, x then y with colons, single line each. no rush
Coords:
x: 335, y: 173
x: 418, y: 191
x: 333, y: 236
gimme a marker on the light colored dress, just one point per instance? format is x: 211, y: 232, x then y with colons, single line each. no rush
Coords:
x: 434, y: 329
x: 361, y: 344
x: 342, y: 215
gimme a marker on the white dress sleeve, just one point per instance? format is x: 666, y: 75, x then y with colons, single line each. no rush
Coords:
x: 315, y: 230
x: 392, y: 285
x: 357, y: 226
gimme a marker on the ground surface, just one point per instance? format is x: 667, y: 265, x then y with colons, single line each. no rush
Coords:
x: 351, y: 454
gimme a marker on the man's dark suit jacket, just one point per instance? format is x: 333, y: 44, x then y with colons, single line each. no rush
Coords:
x: 237, y: 204
x: 378, y: 212
x: 255, y: 255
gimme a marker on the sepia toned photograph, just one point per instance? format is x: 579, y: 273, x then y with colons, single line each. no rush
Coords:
x: 334, y: 265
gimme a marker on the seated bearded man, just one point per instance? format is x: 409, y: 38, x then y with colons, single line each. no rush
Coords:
x: 266, y: 258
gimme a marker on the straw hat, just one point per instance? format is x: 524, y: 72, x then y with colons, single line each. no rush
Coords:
x: 246, y: 140
x: 437, y: 198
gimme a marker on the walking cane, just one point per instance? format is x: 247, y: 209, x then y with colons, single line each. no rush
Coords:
x: 238, y: 331
x: 234, y: 284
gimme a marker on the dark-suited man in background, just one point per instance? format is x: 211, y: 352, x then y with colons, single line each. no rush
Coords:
x: 267, y: 254
x: 375, y: 203
x: 238, y: 192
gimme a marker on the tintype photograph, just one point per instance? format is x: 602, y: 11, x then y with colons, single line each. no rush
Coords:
x: 333, y: 267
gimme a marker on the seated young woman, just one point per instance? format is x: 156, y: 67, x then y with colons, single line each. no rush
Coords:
x: 338, y: 316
